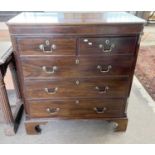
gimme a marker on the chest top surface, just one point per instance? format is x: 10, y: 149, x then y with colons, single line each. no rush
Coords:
x: 75, y: 18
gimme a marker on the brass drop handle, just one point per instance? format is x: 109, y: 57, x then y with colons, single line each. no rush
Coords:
x: 49, y: 70
x: 52, y: 110
x: 51, y: 90
x: 99, y: 110
x: 107, y: 43
x: 47, y: 48
x: 106, y: 70
x: 106, y: 50
x: 102, y: 91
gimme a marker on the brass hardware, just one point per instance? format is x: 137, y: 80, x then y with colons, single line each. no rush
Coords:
x: 77, y: 82
x: 102, y: 70
x: 100, y: 110
x: 85, y: 40
x: 102, y: 91
x: 47, y: 42
x: 90, y: 43
x: 110, y: 49
x: 49, y: 70
x: 107, y: 42
x: 77, y: 61
x: 77, y: 101
x: 41, y: 46
x: 101, y: 46
x: 53, y: 46
x: 47, y: 48
x: 51, y: 90
x: 52, y: 110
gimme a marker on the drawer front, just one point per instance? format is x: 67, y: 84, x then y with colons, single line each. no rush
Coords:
x: 53, y: 67
x: 82, y: 87
x: 46, y: 46
x: 107, y: 45
x: 82, y: 108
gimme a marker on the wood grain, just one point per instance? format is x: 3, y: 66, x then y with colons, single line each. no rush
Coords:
x: 78, y: 53
x: 118, y: 87
x: 30, y: 46
x: 122, y: 45
x: 84, y: 30
x: 74, y: 67
x: 84, y: 108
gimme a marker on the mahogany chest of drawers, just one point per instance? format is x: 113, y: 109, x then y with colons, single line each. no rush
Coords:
x: 75, y: 65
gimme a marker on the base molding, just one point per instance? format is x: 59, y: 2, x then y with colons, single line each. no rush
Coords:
x: 33, y: 126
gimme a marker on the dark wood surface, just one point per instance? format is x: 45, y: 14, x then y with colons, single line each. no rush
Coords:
x: 110, y: 23
x: 63, y: 46
x: 71, y: 18
x: 122, y: 45
x: 73, y: 108
x: 67, y: 46
x: 87, y: 57
x: 84, y: 31
x: 117, y: 87
x: 75, y: 66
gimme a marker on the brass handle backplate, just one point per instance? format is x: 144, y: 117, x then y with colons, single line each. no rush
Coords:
x: 47, y: 47
x: 101, y: 90
x: 100, y: 110
x: 49, y: 70
x: 104, y: 70
x: 106, y: 50
x: 107, y: 47
x: 53, y: 110
x: 51, y: 90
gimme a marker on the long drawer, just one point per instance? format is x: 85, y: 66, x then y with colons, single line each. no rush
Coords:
x: 46, y: 46
x: 107, y: 45
x: 53, y: 67
x: 83, y: 108
x: 79, y: 87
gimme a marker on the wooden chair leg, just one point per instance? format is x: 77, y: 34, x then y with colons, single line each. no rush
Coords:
x: 6, y: 109
x: 15, y: 81
x: 11, y: 120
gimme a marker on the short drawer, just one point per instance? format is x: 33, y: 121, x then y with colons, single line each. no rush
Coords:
x: 53, y: 67
x: 46, y: 46
x: 79, y: 87
x: 107, y: 45
x: 77, y: 108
